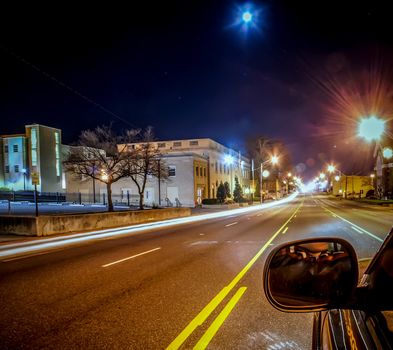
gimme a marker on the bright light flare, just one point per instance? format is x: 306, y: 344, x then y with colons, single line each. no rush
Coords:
x: 274, y: 159
x: 371, y: 129
x: 331, y: 168
x: 337, y: 178
x: 322, y: 176
x: 265, y: 173
x: 247, y: 16
x: 387, y: 152
x: 228, y: 159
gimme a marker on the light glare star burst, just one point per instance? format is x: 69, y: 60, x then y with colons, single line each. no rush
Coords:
x: 247, y: 18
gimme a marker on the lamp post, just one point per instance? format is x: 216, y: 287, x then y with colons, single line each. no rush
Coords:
x: 24, y: 171
x: 228, y: 160
x: 266, y: 173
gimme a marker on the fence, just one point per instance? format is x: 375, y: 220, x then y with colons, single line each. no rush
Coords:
x: 23, y: 202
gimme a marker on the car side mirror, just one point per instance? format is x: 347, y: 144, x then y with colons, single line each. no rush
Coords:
x: 311, y: 275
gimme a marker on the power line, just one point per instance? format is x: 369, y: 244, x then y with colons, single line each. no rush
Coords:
x: 64, y: 85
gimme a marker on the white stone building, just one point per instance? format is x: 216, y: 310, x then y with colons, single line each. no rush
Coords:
x: 195, y: 166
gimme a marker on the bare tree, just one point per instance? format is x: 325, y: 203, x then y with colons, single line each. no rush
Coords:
x: 145, y: 161
x: 102, y: 155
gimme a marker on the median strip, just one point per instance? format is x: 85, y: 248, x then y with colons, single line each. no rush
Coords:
x: 131, y: 257
x: 212, y: 305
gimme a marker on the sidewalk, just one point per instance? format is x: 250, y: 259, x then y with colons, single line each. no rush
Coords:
x: 364, y: 203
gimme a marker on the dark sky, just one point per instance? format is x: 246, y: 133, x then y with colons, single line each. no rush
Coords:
x: 186, y: 69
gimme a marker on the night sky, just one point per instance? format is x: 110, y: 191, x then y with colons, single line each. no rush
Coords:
x: 189, y: 70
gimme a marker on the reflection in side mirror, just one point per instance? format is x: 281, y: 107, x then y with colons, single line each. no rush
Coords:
x: 313, y: 274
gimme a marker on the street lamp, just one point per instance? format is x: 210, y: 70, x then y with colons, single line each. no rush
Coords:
x: 331, y: 168
x: 228, y: 160
x: 371, y: 128
x: 265, y: 173
x: 337, y: 178
x: 247, y: 17
x: 387, y: 152
x: 322, y: 176
x: 24, y: 171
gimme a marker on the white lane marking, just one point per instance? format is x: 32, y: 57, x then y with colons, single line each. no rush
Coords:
x: 354, y: 228
x: 201, y: 234
x: 233, y: 223
x: 204, y: 242
x: 285, y: 230
x: 357, y: 226
x: 131, y: 257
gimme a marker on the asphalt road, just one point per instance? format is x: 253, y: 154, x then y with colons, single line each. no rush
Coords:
x: 187, y: 285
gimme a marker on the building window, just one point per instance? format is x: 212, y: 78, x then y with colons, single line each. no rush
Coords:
x: 5, y: 148
x: 171, y: 171
x: 161, y: 145
x: 33, y: 142
x: 57, y: 153
x: 15, y: 147
x: 177, y: 144
x: 16, y: 168
x: 7, y: 169
x: 194, y: 143
x: 197, y: 171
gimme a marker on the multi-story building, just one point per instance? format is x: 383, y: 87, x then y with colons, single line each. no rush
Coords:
x: 196, y: 167
x: 38, y: 151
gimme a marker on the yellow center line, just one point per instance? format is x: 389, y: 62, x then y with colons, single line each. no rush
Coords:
x: 211, y: 306
x: 217, y: 323
x: 286, y: 229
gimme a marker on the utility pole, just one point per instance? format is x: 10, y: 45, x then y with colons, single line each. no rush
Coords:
x: 159, y: 182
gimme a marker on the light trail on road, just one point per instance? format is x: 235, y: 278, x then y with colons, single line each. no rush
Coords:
x: 56, y: 242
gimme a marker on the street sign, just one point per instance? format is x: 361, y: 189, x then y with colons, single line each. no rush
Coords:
x: 35, y: 178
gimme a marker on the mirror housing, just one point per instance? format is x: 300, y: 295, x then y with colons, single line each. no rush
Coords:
x: 314, y: 274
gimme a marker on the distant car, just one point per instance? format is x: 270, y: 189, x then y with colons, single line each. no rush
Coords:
x: 321, y: 275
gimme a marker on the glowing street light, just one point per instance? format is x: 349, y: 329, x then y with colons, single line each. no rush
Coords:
x: 371, y: 128
x: 337, y: 178
x: 331, y: 168
x: 387, y: 152
x: 247, y: 16
x: 289, y: 174
x: 104, y: 177
x: 372, y: 175
x: 266, y: 173
x: 322, y: 176
x: 274, y: 159
x: 228, y: 159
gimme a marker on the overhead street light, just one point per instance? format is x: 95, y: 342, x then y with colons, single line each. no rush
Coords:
x: 274, y: 159
x: 247, y: 16
x: 337, y: 178
x: 387, y: 152
x: 331, y: 168
x: 266, y: 173
x: 371, y: 128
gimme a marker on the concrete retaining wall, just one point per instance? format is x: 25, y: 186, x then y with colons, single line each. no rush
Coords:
x: 46, y: 225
